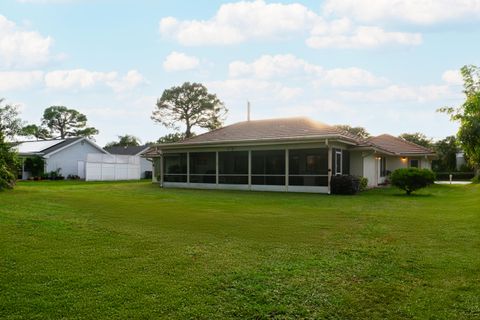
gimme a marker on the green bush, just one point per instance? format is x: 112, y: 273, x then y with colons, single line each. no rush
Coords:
x: 345, y: 184
x: 411, y: 179
x: 476, y: 179
x: 363, y: 183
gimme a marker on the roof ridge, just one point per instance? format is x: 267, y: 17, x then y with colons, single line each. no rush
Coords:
x: 409, y: 142
x: 400, y: 140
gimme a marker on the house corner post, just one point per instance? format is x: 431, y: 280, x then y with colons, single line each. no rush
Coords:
x: 330, y: 159
x: 188, y: 167
x: 216, y: 168
x: 249, y: 169
x: 161, y: 171
x: 286, y: 169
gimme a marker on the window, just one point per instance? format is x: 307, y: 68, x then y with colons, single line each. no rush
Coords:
x: 383, y: 167
x: 338, y: 162
x: 203, y: 167
x: 268, y: 167
x: 414, y: 163
x: 175, y: 167
x: 233, y: 167
x: 308, y: 167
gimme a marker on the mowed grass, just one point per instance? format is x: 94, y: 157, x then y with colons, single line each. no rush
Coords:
x: 132, y: 250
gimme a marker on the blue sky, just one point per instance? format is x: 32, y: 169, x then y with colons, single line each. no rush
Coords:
x: 380, y: 64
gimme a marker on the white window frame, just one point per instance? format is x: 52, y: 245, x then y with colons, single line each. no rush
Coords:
x: 338, y: 169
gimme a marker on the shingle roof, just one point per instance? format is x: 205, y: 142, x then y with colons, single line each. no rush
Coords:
x: 272, y: 129
x: 397, y: 145
x: 43, y: 147
x: 293, y: 128
x: 130, y: 150
x: 62, y: 144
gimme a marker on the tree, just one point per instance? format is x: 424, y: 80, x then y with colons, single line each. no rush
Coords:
x: 172, y: 137
x: 8, y: 164
x: 10, y: 123
x: 38, y: 132
x: 417, y: 138
x: 191, y: 105
x: 356, y: 131
x: 468, y: 115
x: 63, y: 122
x: 124, y: 141
x: 412, y: 179
x: 446, y: 150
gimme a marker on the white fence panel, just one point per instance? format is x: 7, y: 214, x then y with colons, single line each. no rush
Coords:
x: 104, y: 167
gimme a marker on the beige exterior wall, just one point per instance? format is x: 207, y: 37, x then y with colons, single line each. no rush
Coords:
x: 356, y: 163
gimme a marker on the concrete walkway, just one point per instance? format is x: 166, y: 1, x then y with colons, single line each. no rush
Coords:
x: 453, y: 182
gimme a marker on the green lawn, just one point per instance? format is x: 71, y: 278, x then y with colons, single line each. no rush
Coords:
x: 133, y: 250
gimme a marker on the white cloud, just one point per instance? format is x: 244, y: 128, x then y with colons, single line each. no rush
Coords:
x: 45, y: 1
x: 131, y: 80
x: 77, y: 78
x: 81, y: 79
x: 178, y: 61
x: 452, y: 77
x: 350, y: 77
x: 289, y: 66
x: 397, y: 93
x: 21, y: 48
x: 422, y: 12
x: 268, y: 66
x: 348, y: 37
x: 237, y: 22
x: 245, y: 89
x: 11, y: 80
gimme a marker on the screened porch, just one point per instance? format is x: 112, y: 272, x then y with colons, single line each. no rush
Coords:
x: 301, y: 170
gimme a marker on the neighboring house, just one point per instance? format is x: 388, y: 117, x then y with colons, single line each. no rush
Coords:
x: 296, y: 154
x: 68, y: 155
x: 460, y: 160
x: 136, y: 151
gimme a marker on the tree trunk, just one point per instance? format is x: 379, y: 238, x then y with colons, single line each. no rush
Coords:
x: 188, y: 132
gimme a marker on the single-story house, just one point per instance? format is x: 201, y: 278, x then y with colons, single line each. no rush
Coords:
x: 136, y: 151
x: 460, y: 160
x: 294, y: 154
x: 67, y: 155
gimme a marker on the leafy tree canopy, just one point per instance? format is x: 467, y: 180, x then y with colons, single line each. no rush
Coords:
x: 173, y: 137
x: 8, y: 164
x: 38, y: 132
x: 418, y: 138
x: 63, y: 123
x: 124, y: 141
x: 446, y: 150
x: 468, y: 116
x: 356, y: 131
x: 10, y: 123
x: 190, y: 105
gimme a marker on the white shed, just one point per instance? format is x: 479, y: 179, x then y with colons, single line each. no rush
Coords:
x: 66, y: 155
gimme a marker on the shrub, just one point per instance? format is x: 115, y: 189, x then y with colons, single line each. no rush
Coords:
x: 476, y: 179
x: 411, y: 179
x: 35, y: 165
x: 363, y: 184
x: 8, y: 165
x: 345, y: 184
